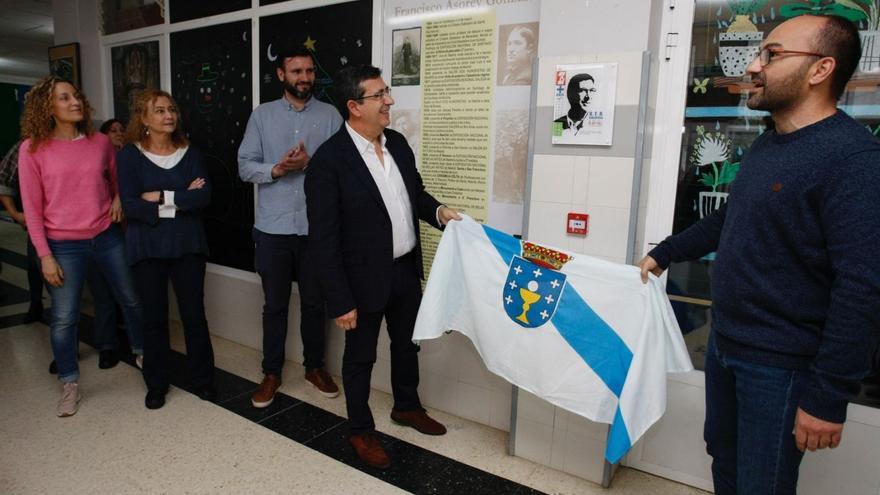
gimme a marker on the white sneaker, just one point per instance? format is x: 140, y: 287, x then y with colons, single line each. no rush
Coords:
x: 70, y: 397
x: 139, y: 361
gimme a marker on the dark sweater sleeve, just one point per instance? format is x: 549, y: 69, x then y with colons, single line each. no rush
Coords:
x: 195, y: 199
x: 850, y: 335
x: 128, y: 166
x: 694, y: 242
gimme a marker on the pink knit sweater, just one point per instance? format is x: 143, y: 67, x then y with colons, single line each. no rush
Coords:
x: 67, y: 188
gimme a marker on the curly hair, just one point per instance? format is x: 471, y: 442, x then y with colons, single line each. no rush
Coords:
x: 38, y: 121
x: 136, y: 131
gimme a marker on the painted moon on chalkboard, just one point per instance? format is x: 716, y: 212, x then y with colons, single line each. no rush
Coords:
x: 244, y: 36
x: 269, y: 53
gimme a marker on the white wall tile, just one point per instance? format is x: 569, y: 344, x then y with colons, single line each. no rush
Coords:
x: 547, y: 223
x: 499, y: 401
x: 582, y: 455
x: 534, y: 441
x: 629, y: 76
x: 580, y: 182
x: 439, y: 392
x: 609, y: 229
x: 610, y: 182
x: 471, y: 402
x: 551, y: 178
x: 535, y: 409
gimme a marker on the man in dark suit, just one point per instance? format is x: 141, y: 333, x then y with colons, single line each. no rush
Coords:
x: 364, y: 197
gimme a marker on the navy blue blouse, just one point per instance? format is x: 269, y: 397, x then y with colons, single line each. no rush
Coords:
x: 147, y: 235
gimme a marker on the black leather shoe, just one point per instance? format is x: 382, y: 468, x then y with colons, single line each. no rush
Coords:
x: 206, y: 392
x: 108, y: 359
x: 155, y: 399
x: 53, y: 368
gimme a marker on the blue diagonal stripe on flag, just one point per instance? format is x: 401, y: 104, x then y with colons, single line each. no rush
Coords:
x: 593, y: 340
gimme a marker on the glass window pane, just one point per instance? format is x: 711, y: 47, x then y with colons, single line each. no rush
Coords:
x: 124, y: 15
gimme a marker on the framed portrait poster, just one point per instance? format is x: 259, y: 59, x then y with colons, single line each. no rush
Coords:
x: 64, y: 62
x: 583, y: 104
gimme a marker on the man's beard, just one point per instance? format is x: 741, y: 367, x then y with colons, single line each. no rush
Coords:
x: 296, y: 93
x: 780, y: 95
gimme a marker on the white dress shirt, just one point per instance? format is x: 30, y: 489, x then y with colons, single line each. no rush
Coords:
x: 393, y: 190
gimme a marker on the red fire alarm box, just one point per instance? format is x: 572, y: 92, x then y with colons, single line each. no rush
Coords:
x: 578, y: 223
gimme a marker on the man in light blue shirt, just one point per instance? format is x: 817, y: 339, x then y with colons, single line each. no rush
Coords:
x: 281, y: 135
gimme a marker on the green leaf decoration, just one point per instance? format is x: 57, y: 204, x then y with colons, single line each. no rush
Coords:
x: 728, y: 173
x: 843, y: 8
x: 708, y: 179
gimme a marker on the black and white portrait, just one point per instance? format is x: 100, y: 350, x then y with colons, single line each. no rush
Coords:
x: 406, y: 53
x: 517, y: 48
x: 583, y: 110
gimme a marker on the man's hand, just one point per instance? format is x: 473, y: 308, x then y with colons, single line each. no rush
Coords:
x: 348, y: 321
x: 447, y: 214
x: 296, y: 159
x: 116, y: 214
x: 151, y: 196
x: 649, y: 264
x: 52, y: 271
x: 813, y: 433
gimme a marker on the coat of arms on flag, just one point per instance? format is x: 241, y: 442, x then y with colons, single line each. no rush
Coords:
x: 534, y: 286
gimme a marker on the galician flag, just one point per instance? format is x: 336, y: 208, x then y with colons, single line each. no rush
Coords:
x: 582, y: 333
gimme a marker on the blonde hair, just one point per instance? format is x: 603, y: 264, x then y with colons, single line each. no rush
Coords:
x: 136, y: 131
x: 38, y: 120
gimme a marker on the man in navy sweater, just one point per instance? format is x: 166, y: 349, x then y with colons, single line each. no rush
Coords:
x: 795, y: 284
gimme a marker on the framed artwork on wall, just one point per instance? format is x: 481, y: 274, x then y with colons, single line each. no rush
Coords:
x: 135, y: 67
x: 64, y: 62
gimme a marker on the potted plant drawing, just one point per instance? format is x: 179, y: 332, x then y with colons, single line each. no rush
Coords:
x: 738, y: 46
x: 713, y: 149
x: 853, y: 10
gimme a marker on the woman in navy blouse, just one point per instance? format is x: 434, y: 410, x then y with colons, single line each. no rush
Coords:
x: 164, y: 187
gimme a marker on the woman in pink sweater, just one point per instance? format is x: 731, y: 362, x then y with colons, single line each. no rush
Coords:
x: 67, y: 174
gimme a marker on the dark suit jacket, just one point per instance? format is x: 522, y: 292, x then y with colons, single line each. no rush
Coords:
x: 350, y: 236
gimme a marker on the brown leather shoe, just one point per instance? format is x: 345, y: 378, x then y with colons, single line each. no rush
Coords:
x: 418, y: 420
x: 370, y: 450
x: 323, y: 382
x: 265, y: 393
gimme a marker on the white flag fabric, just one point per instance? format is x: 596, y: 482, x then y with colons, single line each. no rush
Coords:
x: 582, y: 333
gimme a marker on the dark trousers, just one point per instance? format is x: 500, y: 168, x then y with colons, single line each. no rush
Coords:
x: 280, y: 259
x: 750, y: 411
x: 35, y: 279
x: 360, y: 349
x: 187, y: 275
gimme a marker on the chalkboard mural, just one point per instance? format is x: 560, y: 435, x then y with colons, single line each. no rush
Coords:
x: 211, y: 81
x: 338, y: 35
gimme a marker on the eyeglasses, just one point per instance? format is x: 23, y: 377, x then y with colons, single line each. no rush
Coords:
x: 378, y: 96
x: 765, y: 56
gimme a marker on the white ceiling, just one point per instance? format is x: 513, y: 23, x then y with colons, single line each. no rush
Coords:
x: 26, y: 33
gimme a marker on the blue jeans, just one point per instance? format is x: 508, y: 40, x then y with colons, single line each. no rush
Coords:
x: 107, y: 250
x: 750, y: 411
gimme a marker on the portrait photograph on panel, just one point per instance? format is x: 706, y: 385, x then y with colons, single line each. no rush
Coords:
x: 511, y: 152
x: 409, y: 123
x: 135, y: 67
x: 406, y: 56
x: 583, y: 104
x: 338, y: 35
x: 517, y: 48
x: 212, y: 84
